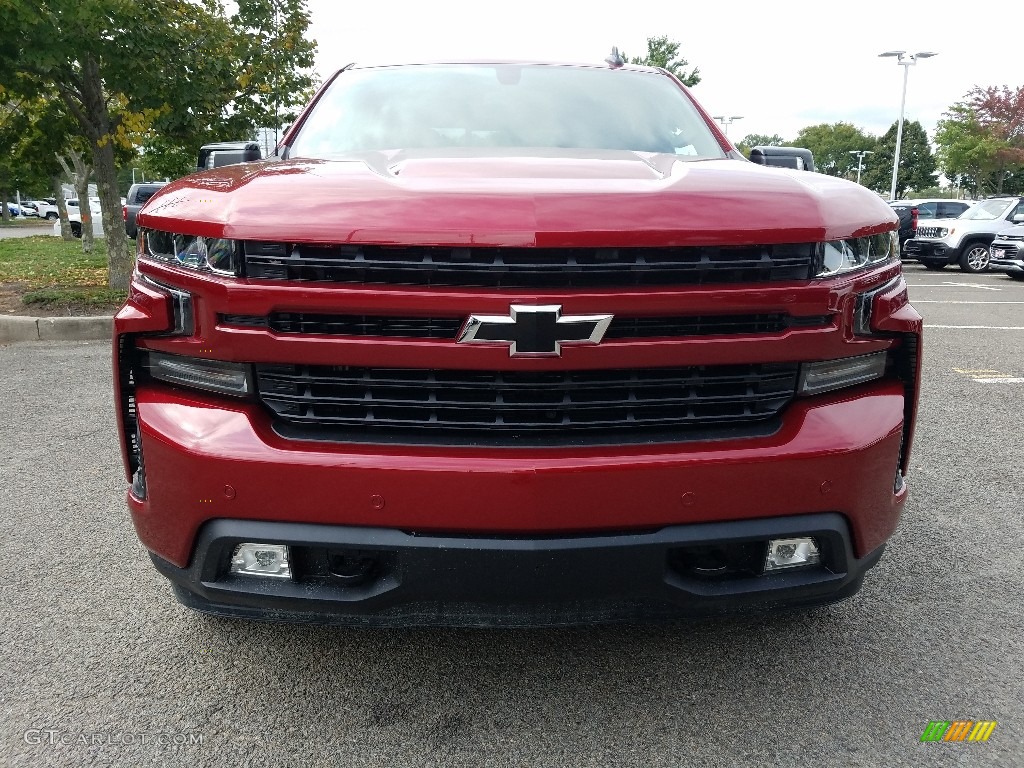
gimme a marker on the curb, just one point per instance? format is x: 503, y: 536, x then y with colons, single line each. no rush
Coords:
x: 15, y: 328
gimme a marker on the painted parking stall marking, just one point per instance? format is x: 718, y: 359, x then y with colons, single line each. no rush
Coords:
x: 988, y: 376
x: 954, y: 285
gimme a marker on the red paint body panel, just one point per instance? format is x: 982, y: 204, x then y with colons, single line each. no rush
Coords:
x: 607, y: 199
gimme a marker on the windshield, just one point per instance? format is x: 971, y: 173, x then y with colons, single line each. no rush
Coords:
x: 503, y: 106
x: 987, y: 209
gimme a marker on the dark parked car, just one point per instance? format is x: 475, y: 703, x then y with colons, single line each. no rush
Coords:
x: 138, y: 196
x: 911, y: 211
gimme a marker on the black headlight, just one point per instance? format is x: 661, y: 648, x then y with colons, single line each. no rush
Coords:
x: 849, y: 254
x: 216, y: 255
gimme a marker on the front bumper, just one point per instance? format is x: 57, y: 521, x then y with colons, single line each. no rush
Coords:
x: 1010, y: 259
x: 207, y: 459
x: 408, y: 580
x: 930, y: 250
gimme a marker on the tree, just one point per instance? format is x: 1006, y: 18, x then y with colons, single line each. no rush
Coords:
x: 125, y: 69
x: 47, y: 132
x: 271, y: 61
x: 79, y: 171
x: 981, y: 139
x: 752, y: 140
x: 662, y: 52
x: 917, y: 163
x: 831, y: 144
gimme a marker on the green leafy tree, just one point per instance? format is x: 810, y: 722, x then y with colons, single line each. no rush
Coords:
x: 10, y: 127
x: 831, y: 145
x: 116, y: 65
x: 126, y: 70
x: 274, y: 60
x: 49, y: 139
x: 981, y: 139
x: 930, y: 192
x: 752, y: 140
x: 664, y: 53
x: 917, y: 163
x: 271, y: 61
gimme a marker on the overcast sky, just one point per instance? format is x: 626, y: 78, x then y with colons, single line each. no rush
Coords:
x: 781, y: 65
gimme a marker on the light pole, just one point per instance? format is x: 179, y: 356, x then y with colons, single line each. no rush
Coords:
x: 726, y: 121
x: 860, y: 158
x: 906, y: 61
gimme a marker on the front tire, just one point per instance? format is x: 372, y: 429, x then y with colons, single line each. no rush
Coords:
x: 51, y: 216
x: 1019, y: 276
x: 76, y: 229
x: 975, y: 258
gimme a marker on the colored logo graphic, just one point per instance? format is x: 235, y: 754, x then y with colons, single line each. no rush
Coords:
x: 958, y: 730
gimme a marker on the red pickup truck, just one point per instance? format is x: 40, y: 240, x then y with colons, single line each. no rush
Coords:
x: 513, y: 344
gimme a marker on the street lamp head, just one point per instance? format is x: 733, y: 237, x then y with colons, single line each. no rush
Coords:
x: 892, y: 53
x: 925, y: 54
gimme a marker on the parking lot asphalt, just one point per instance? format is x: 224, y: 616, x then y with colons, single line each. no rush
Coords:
x: 102, y: 667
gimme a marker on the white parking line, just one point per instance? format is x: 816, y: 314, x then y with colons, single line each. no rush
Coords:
x: 979, y: 327
x: 954, y: 285
x: 993, y: 377
x: 938, y: 301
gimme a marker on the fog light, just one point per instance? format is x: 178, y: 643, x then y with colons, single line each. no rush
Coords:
x: 261, y: 560
x: 791, y: 553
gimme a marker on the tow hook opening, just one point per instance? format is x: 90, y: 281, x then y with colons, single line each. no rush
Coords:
x: 352, y: 567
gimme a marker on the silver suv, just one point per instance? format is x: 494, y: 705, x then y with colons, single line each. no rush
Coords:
x: 965, y: 239
x: 1008, y: 252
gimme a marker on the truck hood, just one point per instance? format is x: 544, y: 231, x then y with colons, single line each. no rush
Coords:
x: 563, y: 199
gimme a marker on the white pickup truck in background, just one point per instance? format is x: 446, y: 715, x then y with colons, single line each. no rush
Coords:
x: 75, y: 218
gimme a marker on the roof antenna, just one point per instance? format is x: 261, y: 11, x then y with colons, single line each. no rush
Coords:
x: 614, y: 60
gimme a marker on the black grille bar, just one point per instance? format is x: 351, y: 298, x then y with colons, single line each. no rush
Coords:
x: 664, y: 403
x: 448, y: 328
x: 529, y: 267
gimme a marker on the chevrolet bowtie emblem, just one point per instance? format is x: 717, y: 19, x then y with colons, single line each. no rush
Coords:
x: 535, y: 329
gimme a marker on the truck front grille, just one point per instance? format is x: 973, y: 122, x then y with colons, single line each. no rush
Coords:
x: 493, y: 407
x: 447, y: 328
x: 528, y: 267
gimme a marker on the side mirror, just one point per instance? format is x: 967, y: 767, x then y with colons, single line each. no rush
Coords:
x: 1018, y: 218
x: 783, y: 157
x: 227, y: 153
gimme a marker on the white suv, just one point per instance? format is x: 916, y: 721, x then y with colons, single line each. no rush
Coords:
x: 965, y: 240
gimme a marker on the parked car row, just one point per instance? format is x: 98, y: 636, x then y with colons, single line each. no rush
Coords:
x: 138, y: 196
x: 43, y: 209
x: 965, y: 239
